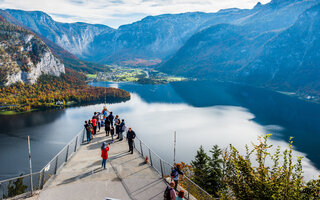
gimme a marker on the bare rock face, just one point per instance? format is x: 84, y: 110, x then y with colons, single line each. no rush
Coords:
x: 24, y: 57
x: 48, y: 65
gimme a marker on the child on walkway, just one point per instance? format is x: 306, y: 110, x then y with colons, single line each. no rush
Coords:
x: 104, y: 154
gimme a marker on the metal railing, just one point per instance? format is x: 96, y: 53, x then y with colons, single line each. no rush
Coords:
x: 22, y: 184
x: 192, y: 190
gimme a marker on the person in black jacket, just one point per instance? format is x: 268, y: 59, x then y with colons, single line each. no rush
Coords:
x: 111, y: 118
x: 107, y: 125
x: 117, y: 125
x: 89, y: 130
x: 122, y: 128
x: 130, y: 137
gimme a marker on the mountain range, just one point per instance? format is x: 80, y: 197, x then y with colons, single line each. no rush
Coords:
x: 284, y: 58
x: 272, y: 45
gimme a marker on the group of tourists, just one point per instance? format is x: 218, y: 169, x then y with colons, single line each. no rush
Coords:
x: 113, y: 126
x: 171, y: 192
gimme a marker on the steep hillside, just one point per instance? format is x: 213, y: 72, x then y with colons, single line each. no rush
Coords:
x: 291, y: 60
x: 55, y: 92
x: 152, y: 38
x: 69, y: 60
x: 24, y: 57
x: 32, y: 78
x: 216, y: 51
x: 256, y: 54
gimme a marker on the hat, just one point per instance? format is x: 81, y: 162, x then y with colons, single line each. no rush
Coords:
x: 181, y: 194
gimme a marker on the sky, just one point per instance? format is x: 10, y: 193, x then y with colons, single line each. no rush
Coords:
x: 118, y: 12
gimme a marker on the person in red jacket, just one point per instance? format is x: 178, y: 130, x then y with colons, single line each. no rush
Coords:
x: 104, y: 154
x: 94, y: 124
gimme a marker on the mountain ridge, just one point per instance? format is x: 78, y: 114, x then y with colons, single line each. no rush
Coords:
x: 263, y: 59
x: 70, y: 60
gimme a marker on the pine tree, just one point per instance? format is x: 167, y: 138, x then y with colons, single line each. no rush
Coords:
x: 215, y: 171
x: 201, y: 168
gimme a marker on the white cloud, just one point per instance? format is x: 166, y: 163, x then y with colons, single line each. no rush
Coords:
x: 118, y: 12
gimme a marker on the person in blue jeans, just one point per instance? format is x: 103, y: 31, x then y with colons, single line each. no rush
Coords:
x: 88, y: 130
x: 104, y: 154
x: 175, y: 175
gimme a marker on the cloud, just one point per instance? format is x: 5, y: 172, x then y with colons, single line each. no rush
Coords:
x: 117, y: 12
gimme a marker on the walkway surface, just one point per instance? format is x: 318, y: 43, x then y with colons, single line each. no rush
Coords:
x: 126, y: 176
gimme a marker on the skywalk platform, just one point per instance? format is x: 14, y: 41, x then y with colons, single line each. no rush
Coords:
x: 126, y: 177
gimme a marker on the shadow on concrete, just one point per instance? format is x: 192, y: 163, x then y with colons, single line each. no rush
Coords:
x: 147, y: 186
x: 98, y: 162
x: 136, y: 172
x: 135, y: 158
x: 157, y: 195
x: 97, y: 143
x: 121, y: 154
x: 73, y: 179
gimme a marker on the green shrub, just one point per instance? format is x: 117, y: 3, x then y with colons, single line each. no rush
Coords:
x: 230, y: 175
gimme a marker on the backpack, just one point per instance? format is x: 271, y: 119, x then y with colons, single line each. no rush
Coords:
x: 166, y: 194
x: 173, y: 173
x: 124, y: 128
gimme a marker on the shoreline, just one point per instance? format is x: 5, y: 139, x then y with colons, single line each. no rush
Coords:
x: 109, y: 101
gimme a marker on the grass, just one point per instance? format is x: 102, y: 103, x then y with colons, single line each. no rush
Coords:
x: 175, y: 79
x: 12, y: 112
x: 9, y: 112
x: 92, y: 75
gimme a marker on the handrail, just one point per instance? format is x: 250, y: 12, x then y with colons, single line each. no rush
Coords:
x: 23, y: 176
x: 44, y: 174
x: 162, y: 160
x: 55, y: 157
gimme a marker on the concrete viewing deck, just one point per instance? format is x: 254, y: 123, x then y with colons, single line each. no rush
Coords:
x: 126, y: 176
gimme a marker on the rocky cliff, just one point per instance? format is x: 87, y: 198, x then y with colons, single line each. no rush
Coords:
x: 24, y: 57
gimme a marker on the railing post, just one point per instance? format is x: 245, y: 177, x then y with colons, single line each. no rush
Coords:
x: 67, y: 152
x: 56, y: 167
x: 40, y: 176
x: 42, y: 180
x: 75, y: 146
x: 141, y: 148
x: 83, y: 135
x: 188, y: 189
x: 150, y: 157
x: 31, y: 184
x: 161, y: 168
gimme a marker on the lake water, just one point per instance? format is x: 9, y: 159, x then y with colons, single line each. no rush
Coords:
x: 202, y: 113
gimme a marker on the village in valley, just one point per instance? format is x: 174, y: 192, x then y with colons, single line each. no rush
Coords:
x: 143, y: 75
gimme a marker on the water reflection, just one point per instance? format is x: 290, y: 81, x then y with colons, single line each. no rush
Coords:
x: 149, y: 93
x: 202, y: 113
x: 195, y: 126
x: 280, y: 114
x: 275, y: 113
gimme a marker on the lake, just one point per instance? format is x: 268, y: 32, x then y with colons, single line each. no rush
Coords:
x: 201, y: 112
